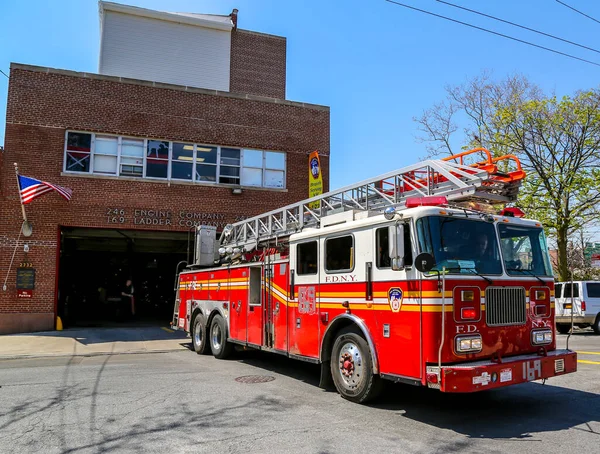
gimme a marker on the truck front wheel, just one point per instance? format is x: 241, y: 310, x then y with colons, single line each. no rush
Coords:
x: 352, y: 367
x: 563, y: 328
x: 596, y: 324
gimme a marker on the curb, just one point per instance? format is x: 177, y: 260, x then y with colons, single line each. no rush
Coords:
x: 73, y: 355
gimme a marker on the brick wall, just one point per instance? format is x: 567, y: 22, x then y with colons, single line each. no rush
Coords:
x: 258, y: 64
x: 43, y: 104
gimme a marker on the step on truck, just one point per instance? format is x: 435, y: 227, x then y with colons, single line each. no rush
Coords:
x: 423, y: 276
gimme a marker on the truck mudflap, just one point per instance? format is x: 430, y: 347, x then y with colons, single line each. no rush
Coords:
x: 481, y: 375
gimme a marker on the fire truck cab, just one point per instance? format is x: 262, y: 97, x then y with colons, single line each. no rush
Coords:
x: 431, y: 290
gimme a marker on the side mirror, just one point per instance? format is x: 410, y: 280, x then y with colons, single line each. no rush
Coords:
x: 396, y: 246
x: 424, y: 262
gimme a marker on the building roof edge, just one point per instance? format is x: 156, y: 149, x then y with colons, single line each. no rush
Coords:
x: 118, y: 79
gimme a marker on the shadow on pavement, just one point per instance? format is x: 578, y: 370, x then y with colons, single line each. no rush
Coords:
x: 90, y: 336
x: 515, y: 412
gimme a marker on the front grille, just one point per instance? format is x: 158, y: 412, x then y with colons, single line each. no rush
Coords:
x: 505, y: 306
x: 559, y: 366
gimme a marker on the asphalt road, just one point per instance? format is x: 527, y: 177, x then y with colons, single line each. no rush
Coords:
x: 182, y: 402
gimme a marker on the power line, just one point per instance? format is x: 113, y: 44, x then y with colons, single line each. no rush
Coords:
x: 495, y: 33
x: 577, y: 11
x: 4, y: 74
x: 520, y: 26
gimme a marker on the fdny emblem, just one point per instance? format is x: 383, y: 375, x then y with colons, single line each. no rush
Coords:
x: 395, y: 299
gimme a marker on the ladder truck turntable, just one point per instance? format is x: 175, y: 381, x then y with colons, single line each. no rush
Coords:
x: 382, y: 280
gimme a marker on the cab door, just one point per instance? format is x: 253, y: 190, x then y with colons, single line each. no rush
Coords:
x: 303, y: 318
x: 400, y: 304
x: 255, y: 305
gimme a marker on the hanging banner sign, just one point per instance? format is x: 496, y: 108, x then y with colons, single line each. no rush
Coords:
x: 315, y: 179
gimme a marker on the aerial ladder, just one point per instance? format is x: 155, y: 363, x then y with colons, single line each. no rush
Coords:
x: 482, y: 181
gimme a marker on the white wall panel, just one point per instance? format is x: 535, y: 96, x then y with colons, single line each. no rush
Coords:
x: 162, y: 51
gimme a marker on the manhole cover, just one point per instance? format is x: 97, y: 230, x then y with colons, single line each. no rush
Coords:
x: 255, y: 379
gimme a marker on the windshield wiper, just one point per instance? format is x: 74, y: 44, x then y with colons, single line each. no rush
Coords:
x: 473, y: 270
x: 530, y: 273
x: 480, y: 275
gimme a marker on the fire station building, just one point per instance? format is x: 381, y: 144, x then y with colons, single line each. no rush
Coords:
x: 185, y: 123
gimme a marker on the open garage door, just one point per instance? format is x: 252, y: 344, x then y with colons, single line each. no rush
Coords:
x: 96, y: 263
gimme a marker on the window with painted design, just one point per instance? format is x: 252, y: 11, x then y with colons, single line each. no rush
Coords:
x: 157, y: 159
x: 79, y: 149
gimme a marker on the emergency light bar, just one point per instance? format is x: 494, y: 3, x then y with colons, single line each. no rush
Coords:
x: 512, y: 212
x: 430, y: 201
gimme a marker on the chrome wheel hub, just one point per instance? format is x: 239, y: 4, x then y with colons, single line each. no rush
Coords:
x: 351, y: 365
x: 216, y: 337
x: 197, y: 337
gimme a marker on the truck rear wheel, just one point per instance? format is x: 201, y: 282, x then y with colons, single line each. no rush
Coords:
x: 352, y: 367
x: 199, y: 340
x: 219, y: 346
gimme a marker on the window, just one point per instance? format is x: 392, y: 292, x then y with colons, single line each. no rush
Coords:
x: 79, y: 149
x: 132, y: 158
x: 105, y: 155
x: 274, y: 170
x: 306, y: 258
x: 557, y: 289
x: 230, y: 166
x: 339, y: 254
x: 383, y: 248
x: 149, y: 158
x: 157, y: 159
x: 263, y: 168
x: 206, y: 163
x: 524, y: 250
x: 462, y: 246
x: 183, y: 161
x: 252, y: 169
x: 568, y: 290
x: 593, y: 290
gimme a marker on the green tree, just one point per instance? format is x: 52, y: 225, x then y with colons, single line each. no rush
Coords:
x: 557, y: 141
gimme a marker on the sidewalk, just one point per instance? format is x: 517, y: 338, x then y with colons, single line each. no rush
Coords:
x: 92, y: 341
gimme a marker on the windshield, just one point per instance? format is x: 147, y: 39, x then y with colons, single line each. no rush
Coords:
x: 524, y: 250
x: 465, y: 246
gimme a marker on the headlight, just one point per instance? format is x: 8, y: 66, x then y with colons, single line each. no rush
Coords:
x: 468, y: 344
x: 541, y: 337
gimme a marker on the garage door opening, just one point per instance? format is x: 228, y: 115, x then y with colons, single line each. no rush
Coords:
x: 95, y: 264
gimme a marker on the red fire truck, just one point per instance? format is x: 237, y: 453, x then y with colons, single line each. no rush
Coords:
x: 420, y: 276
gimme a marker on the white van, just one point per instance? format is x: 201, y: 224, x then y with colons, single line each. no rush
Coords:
x: 584, y: 296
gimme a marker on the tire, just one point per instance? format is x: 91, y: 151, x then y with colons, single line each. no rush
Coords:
x: 199, y: 340
x: 352, y: 367
x: 563, y: 328
x: 596, y: 325
x: 219, y: 346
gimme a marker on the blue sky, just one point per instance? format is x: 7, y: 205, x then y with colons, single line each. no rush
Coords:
x: 376, y: 65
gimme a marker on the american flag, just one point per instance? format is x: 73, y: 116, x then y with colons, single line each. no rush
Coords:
x: 32, y: 188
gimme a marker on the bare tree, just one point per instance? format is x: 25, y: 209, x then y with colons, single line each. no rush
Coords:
x: 557, y: 141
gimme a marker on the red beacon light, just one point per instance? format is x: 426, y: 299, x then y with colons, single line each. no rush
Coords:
x: 428, y: 201
x: 512, y: 212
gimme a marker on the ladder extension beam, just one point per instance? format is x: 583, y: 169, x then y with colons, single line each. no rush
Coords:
x: 455, y: 181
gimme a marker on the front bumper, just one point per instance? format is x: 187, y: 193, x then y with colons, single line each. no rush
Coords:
x: 480, y: 375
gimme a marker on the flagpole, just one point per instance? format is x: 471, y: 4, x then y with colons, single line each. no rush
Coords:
x: 26, y: 227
